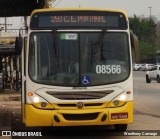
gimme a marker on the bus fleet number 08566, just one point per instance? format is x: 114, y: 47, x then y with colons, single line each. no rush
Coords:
x: 108, y: 69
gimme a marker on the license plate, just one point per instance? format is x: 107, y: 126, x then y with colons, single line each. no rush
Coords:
x: 115, y: 116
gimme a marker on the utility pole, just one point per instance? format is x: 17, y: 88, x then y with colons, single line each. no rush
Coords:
x: 150, y: 11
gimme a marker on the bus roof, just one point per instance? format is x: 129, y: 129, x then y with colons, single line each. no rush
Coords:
x: 79, y: 9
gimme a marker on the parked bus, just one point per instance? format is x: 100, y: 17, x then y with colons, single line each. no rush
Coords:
x: 77, y: 68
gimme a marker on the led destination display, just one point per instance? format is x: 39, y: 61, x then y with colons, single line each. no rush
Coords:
x: 78, y: 19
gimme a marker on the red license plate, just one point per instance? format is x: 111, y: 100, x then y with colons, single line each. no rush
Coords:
x: 115, y: 116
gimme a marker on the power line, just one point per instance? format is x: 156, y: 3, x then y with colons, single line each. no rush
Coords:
x: 57, y: 3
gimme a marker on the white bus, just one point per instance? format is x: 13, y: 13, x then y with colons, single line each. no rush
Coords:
x: 77, y: 68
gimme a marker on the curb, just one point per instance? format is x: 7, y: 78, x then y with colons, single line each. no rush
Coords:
x: 10, y: 96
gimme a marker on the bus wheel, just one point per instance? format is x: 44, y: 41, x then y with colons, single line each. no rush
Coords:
x: 147, y: 79
x: 158, y: 79
x: 120, y: 127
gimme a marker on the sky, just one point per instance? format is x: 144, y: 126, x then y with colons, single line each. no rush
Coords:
x: 137, y: 7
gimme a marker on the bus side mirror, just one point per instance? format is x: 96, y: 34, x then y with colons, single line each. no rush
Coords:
x: 18, y: 45
x: 135, y: 46
x: 132, y: 40
x: 131, y: 26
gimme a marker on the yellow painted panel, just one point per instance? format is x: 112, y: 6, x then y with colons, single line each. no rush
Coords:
x: 39, y: 117
x: 126, y: 108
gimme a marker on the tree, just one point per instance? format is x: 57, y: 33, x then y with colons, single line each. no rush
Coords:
x: 148, y: 31
x: 158, y: 37
x: 135, y: 25
x: 147, y: 51
x: 145, y: 29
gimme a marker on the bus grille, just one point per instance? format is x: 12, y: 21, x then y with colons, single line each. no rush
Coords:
x: 79, y: 95
x: 85, y: 105
x: 90, y: 116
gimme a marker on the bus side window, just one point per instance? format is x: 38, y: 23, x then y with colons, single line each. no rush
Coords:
x: 32, y: 58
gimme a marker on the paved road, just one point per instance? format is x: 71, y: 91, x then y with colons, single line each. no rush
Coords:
x: 146, y: 115
x: 147, y: 95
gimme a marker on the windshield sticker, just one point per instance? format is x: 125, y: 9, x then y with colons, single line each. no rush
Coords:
x: 85, y: 80
x: 69, y: 36
x: 108, y: 69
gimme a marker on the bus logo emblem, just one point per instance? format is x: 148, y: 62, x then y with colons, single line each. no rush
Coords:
x: 80, y: 105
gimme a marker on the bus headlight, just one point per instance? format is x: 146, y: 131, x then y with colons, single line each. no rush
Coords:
x: 120, y: 100
x: 38, y: 101
x: 122, y: 97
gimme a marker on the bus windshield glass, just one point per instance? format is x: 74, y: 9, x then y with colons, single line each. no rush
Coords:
x: 76, y: 59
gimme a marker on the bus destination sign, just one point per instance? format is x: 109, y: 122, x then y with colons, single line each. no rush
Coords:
x: 72, y: 21
x: 78, y: 20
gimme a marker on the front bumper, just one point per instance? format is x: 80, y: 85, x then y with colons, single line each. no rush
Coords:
x: 80, y: 117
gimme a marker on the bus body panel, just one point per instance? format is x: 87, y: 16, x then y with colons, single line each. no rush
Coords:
x: 39, y: 117
x: 33, y: 116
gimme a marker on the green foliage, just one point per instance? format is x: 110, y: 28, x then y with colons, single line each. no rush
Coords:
x: 135, y: 22
x: 158, y: 37
x: 147, y: 51
x: 145, y: 29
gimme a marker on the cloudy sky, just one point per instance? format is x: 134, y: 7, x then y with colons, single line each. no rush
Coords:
x: 137, y: 7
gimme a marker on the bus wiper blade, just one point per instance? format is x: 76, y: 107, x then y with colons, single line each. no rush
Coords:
x: 54, y: 43
x: 96, y: 45
x: 55, y: 48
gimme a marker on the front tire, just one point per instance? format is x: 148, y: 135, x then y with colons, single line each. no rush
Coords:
x: 120, y: 127
x: 147, y: 79
x: 158, y: 79
x: 140, y: 69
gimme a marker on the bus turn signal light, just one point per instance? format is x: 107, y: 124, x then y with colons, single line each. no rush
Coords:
x: 128, y: 92
x: 30, y: 94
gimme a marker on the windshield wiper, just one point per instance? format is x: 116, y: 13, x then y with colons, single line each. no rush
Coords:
x: 95, y: 46
x: 55, y: 48
x: 54, y: 43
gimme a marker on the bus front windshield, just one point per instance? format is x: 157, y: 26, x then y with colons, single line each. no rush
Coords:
x: 76, y: 59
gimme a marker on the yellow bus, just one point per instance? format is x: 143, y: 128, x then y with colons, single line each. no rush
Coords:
x: 77, y: 68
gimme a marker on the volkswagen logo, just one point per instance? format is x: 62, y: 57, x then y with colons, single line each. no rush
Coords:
x: 80, y: 105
